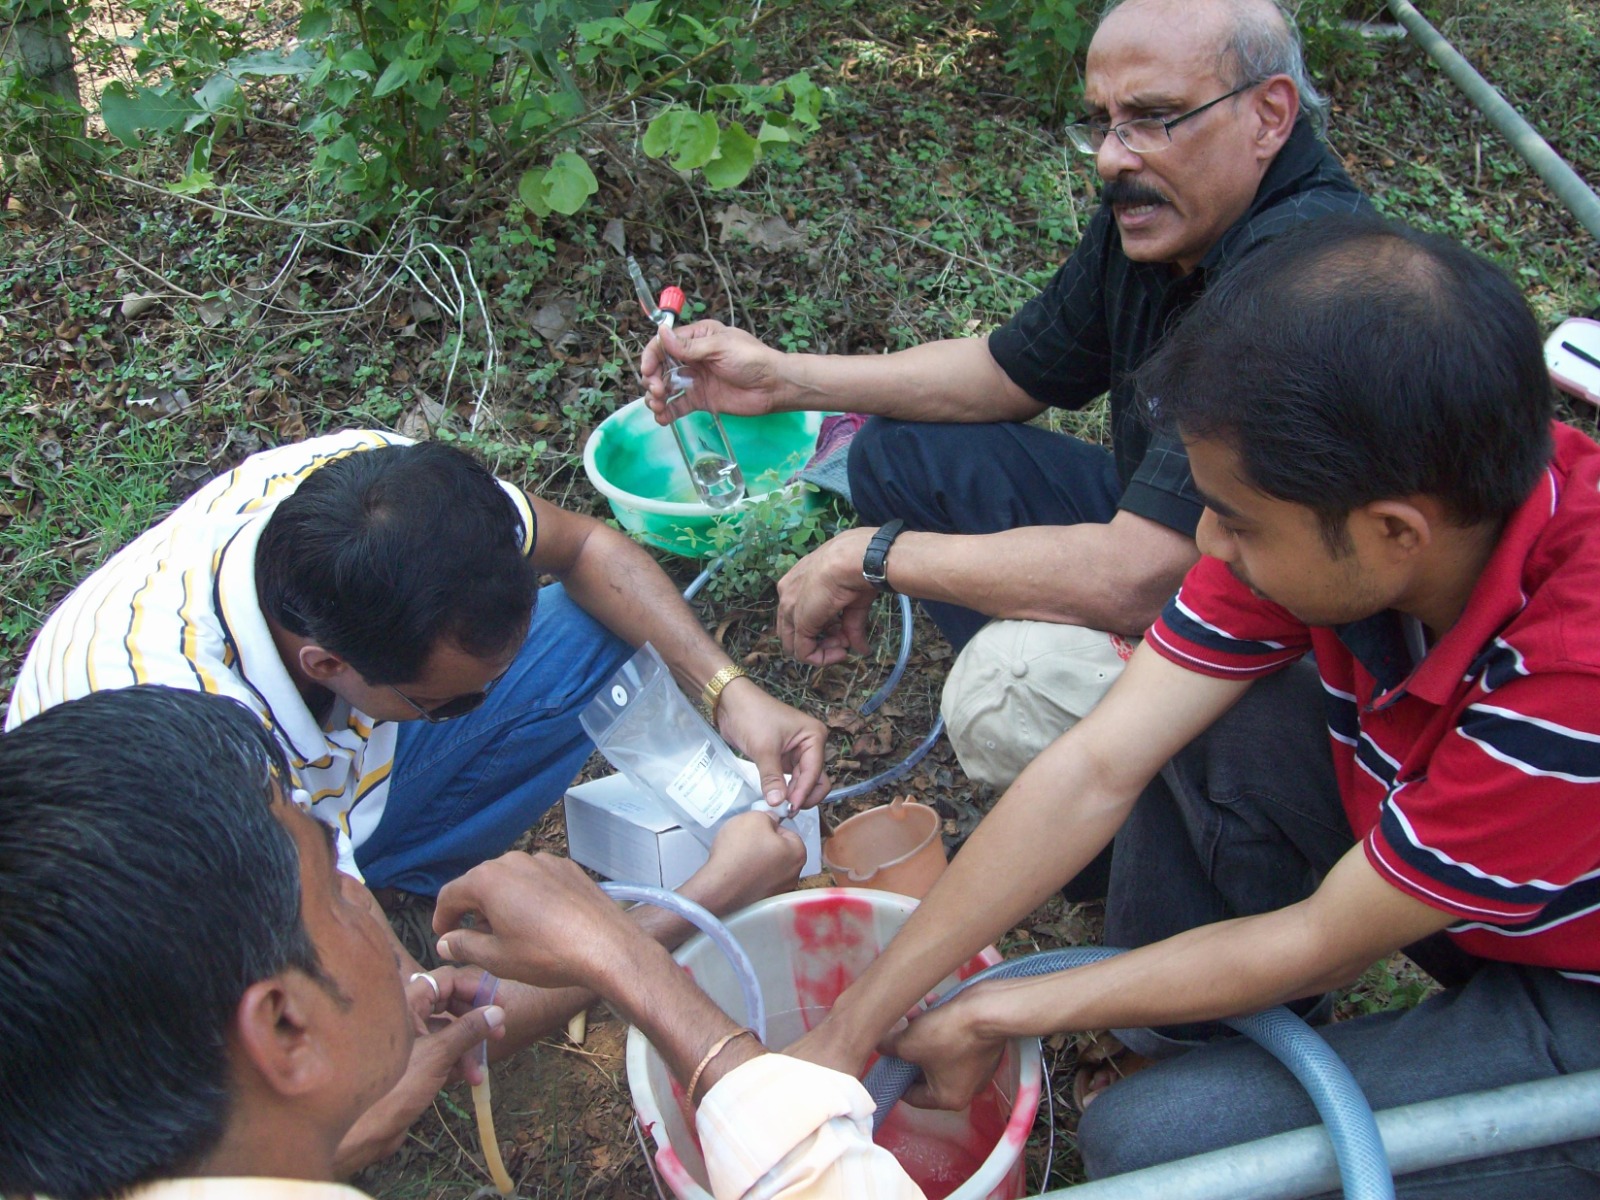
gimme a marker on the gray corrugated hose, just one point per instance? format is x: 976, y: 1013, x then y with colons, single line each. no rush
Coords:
x: 1363, y: 1164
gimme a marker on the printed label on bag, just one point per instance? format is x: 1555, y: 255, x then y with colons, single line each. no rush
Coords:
x: 707, y: 787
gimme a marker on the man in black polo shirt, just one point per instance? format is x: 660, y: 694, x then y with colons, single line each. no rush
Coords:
x: 1204, y: 127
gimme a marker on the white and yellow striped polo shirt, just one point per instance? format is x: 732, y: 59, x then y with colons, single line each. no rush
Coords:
x: 178, y: 606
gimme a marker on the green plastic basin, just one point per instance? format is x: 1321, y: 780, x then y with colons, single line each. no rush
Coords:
x: 635, y: 465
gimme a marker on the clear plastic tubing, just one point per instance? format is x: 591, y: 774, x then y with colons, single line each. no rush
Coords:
x: 697, y: 915
x: 480, y: 1099
x: 702, y: 919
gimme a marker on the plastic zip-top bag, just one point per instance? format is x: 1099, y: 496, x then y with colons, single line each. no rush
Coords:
x: 649, y: 730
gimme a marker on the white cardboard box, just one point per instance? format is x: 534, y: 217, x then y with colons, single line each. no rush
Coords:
x: 626, y: 837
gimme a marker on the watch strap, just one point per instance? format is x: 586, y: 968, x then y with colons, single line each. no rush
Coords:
x: 875, y: 562
x: 711, y: 694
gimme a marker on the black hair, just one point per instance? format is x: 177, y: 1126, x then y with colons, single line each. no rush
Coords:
x: 144, y: 885
x: 1354, y: 360
x: 383, y: 555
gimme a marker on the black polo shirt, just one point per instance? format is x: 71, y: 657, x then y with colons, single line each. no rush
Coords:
x: 1101, y: 316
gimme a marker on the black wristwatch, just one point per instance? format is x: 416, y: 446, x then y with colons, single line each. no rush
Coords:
x: 875, y: 562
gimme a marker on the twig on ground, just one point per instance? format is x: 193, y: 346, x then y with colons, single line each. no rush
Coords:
x: 955, y: 254
x: 128, y: 258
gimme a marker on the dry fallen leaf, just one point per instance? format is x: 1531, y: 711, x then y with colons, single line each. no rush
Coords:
x: 764, y: 233
x: 846, y: 719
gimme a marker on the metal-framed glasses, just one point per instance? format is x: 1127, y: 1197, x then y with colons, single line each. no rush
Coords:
x: 456, y: 706
x: 1142, y: 135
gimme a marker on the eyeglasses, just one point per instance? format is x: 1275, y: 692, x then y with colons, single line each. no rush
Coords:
x: 456, y: 706
x: 1143, y: 135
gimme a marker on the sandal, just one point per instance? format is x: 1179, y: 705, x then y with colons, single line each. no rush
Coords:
x: 1102, y: 1063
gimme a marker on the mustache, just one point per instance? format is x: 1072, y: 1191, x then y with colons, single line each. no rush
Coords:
x: 1130, y: 193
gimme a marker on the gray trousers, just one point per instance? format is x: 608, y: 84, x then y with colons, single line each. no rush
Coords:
x: 1246, y: 820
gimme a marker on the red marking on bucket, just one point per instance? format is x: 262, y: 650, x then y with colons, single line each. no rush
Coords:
x: 672, y: 1170
x: 835, y: 941
x: 941, y: 1151
x: 1023, y: 1111
x: 686, y: 1111
x: 972, y: 966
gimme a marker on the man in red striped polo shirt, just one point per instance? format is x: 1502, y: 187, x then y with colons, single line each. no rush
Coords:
x: 1369, y: 423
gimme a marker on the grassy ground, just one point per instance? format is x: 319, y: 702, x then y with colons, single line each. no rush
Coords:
x: 150, y: 340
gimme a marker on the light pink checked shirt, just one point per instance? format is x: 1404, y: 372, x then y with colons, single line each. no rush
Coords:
x: 775, y: 1128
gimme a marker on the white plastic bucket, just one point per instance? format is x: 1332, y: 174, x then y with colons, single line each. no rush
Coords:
x: 808, y: 947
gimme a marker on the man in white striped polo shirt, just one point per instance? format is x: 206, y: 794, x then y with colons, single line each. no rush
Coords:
x: 369, y: 599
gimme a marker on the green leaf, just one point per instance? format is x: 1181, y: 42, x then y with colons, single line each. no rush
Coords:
x: 315, y: 24
x: 774, y: 128
x: 343, y: 90
x: 658, y: 134
x: 807, y: 99
x: 690, y: 137
x: 272, y: 64
x: 126, y: 113
x: 356, y: 59
x: 192, y: 184
x: 395, y: 76
x: 569, y: 183
x: 198, y: 178
x: 322, y: 126
x: 214, y: 95
x: 530, y: 189
x: 737, y: 153
x: 427, y: 94
x: 344, y: 150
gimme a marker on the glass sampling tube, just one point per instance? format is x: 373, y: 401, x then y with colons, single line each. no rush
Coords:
x: 703, y: 442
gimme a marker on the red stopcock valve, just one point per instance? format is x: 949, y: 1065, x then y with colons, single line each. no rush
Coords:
x: 672, y: 300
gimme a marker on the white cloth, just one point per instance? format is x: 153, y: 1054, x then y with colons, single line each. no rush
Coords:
x: 178, y: 606
x: 234, y: 1188
x: 774, y: 1128
x: 779, y: 1128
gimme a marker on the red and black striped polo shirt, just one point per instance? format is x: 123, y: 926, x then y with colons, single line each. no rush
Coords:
x: 1473, y: 774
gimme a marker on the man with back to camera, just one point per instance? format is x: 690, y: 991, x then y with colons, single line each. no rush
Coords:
x: 201, y: 1010
x: 1369, y: 421
x: 376, y: 603
x: 1204, y: 126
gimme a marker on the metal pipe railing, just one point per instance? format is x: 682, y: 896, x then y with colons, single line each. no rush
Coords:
x: 1566, y: 183
x: 1418, y: 1137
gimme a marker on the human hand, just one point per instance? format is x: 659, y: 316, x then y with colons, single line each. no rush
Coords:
x: 957, y: 1061
x: 830, y: 1045
x: 752, y: 857
x: 823, y: 601
x: 780, y: 740
x: 541, y: 920
x: 452, y: 994
x: 435, y: 1061
x: 733, y: 372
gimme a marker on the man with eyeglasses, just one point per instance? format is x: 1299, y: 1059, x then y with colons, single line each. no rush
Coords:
x: 376, y: 603
x: 1036, y: 553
